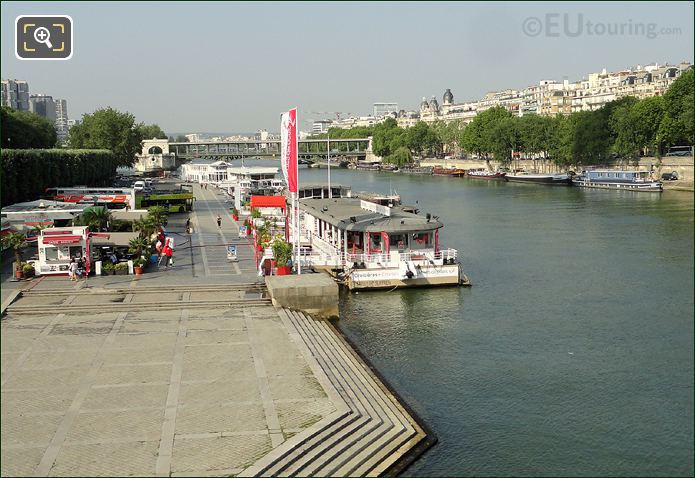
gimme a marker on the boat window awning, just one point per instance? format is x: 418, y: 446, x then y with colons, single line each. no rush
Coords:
x: 62, y: 240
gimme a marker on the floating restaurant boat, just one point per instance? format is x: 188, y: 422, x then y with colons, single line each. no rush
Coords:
x: 521, y: 176
x: 482, y: 173
x: 371, y: 246
x: 616, y: 179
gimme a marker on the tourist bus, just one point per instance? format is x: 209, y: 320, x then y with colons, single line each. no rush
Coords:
x: 111, y: 198
x: 172, y: 201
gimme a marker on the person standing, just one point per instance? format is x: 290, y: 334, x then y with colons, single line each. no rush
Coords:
x: 72, y: 269
x: 219, y: 221
x: 168, y: 251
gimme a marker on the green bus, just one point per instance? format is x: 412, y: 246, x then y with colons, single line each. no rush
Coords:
x: 173, y: 201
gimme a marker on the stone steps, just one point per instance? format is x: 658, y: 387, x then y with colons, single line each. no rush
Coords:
x: 257, y: 287
x: 132, y: 307
x: 375, y: 433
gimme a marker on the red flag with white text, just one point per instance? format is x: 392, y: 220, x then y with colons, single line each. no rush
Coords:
x: 288, y: 148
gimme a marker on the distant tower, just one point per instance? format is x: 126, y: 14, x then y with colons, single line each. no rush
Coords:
x: 434, y: 106
x: 448, y: 98
x: 424, y: 106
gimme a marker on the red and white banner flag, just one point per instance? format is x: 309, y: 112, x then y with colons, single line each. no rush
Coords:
x: 288, y: 148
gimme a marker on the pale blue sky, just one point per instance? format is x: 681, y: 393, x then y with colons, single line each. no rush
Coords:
x: 233, y: 67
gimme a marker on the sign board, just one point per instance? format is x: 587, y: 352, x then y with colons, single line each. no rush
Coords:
x: 377, y: 208
x: 288, y: 148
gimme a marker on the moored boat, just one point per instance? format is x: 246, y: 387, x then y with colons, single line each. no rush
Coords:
x: 372, y: 246
x: 618, y: 179
x: 521, y: 176
x: 482, y: 173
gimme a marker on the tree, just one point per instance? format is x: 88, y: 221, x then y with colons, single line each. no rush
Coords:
x: 22, y: 129
x: 157, y: 214
x: 97, y: 218
x: 677, y: 124
x: 400, y: 157
x: 504, y: 138
x: 108, y: 128
x: 479, y: 136
x: 151, y: 131
x: 181, y: 139
x: 647, y: 116
x: 17, y: 242
x: 387, y: 137
x: 420, y: 138
x: 623, y: 128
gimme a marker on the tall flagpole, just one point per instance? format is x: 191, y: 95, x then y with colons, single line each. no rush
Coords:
x: 296, y: 143
x: 330, y: 194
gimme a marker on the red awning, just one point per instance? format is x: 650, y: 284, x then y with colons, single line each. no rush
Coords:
x: 268, y: 201
x: 58, y: 240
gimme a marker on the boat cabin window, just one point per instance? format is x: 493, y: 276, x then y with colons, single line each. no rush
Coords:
x: 398, y: 241
x: 421, y: 240
x: 375, y: 243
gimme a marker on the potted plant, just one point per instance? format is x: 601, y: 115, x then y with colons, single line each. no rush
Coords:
x: 121, y: 269
x: 282, y: 250
x: 107, y: 268
x: 235, y: 214
x: 28, y: 270
x: 255, y: 213
x: 139, y: 265
x: 17, y: 242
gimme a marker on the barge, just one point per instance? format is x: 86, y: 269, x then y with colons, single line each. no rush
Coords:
x: 616, y: 179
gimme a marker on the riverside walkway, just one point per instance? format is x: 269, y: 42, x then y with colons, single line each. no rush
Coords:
x: 188, y: 371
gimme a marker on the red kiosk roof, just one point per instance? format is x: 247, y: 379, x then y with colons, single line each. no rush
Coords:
x: 268, y: 201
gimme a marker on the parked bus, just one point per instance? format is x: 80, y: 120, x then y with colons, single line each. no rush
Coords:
x: 111, y: 198
x: 172, y: 201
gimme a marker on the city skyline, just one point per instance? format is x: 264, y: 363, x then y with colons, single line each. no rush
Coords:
x: 339, y: 66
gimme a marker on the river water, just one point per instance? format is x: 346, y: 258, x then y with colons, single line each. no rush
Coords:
x: 572, y: 354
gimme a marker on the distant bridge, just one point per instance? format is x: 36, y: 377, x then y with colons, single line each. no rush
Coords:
x: 310, y: 150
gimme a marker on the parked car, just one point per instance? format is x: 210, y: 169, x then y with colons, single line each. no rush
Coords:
x: 139, y: 185
x: 672, y: 176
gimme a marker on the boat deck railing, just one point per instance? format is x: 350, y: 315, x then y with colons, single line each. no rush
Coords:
x: 323, y: 253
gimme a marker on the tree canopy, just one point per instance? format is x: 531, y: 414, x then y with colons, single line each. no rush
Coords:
x: 108, y: 128
x: 22, y: 130
x: 152, y: 131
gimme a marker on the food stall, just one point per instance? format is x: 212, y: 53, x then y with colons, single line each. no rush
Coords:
x: 58, y: 245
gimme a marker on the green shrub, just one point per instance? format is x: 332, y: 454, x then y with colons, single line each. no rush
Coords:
x: 107, y: 266
x: 121, y: 266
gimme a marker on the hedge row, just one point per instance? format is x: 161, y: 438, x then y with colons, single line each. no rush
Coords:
x: 26, y: 173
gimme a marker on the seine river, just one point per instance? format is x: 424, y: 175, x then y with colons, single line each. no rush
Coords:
x: 572, y: 354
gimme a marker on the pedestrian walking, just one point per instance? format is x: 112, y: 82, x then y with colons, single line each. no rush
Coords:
x: 72, y: 269
x: 168, y: 251
x: 219, y: 221
x: 80, y: 270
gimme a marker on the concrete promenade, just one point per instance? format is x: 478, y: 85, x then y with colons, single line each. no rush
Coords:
x: 187, y: 371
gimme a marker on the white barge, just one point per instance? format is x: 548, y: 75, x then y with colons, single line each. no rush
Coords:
x: 615, y: 179
x: 372, y: 246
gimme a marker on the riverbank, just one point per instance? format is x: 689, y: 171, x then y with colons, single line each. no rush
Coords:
x: 683, y: 166
x: 189, y: 371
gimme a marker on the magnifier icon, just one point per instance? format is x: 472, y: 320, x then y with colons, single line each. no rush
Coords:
x: 42, y: 35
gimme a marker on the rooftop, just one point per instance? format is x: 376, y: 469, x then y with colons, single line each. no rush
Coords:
x: 348, y: 214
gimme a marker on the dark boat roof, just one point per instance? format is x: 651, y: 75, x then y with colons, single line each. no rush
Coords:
x: 347, y: 213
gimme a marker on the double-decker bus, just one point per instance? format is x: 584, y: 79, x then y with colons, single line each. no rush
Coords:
x: 172, y: 201
x: 111, y: 198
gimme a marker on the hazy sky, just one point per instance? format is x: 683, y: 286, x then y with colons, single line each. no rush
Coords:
x: 233, y: 67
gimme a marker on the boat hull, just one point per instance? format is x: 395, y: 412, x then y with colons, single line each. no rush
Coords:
x: 655, y: 186
x: 489, y: 177
x: 425, y: 276
x: 541, y: 179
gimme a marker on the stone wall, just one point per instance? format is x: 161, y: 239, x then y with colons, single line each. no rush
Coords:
x: 314, y: 294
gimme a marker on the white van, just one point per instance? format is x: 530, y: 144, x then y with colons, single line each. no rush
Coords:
x: 139, y: 186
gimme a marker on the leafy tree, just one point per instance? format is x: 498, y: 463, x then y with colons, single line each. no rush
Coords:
x: 421, y: 138
x: 623, y: 128
x: 151, y: 131
x: 145, y: 226
x: 22, y: 129
x: 181, y: 139
x: 592, y: 138
x: 387, y: 137
x: 504, y: 138
x: 677, y: 125
x: 108, y: 128
x: 647, y: 116
x: 479, y: 136
x: 536, y: 133
x: 400, y: 157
